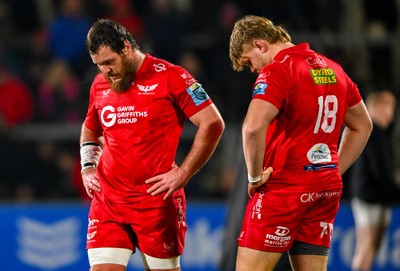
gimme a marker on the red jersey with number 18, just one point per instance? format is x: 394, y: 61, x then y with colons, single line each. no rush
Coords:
x: 141, y: 126
x: 312, y: 94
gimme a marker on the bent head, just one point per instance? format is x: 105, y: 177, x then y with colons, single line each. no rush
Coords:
x: 110, y: 46
x: 247, y: 30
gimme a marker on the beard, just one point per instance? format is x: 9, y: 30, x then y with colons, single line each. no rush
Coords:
x: 126, y: 74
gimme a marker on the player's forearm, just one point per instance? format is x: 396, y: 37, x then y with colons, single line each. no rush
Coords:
x: 89, y: 135
x: 254, y: 146
x: 204, y: 145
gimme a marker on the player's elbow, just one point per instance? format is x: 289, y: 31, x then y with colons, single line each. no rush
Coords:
x: 217, y: 126
x: 252, y: 131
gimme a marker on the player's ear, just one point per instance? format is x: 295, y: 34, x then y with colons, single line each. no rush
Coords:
x: 262, y: 45
x: 127, y: 47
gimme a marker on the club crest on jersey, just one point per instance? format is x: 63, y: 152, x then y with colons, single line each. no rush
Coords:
x: 198, y: 94
x: 147, y: 89
x: 259, y: 88
x: 319, y: 153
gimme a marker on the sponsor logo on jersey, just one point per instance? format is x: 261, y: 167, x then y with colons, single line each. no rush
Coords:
x: 319, y: 153
x: 259, y: 88
x: 159, y: 67
x: 316, y: 61
x: 147, y: 90
x: 120, y: 115
x: 188, y: 79
x: 323, y: 76
x: 198, y: 94
x: 106, y: 92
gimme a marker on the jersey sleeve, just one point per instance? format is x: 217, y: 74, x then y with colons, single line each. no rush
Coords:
x: 187, y: 92
x: 354, y: 93
x: 272, y: 86
x: 92, y: 121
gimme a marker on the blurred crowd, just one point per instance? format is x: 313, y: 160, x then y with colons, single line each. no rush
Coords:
x: 45, y: 72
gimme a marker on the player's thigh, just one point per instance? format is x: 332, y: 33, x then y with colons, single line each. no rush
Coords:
x: 309, y: 262
x: 108, y: 259
x: 160, y: 264
x: 160, y: 225
x: 108, y: 267
x: 316, y: 226
x: 254, y: 260
x: 370, y: 214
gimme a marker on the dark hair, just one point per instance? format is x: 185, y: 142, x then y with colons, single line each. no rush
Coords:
x: 109, y: 33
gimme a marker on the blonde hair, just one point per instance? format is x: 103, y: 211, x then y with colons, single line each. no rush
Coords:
x: 249, y: 28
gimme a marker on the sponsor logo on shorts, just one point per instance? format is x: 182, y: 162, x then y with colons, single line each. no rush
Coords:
x: 181, y: 214
x: 92, y: 229
x: 279, y: 239
x: 319, y: 153
x: 91, y: 235
x: 257, y: 207
x: 327, y: 229
x: 281, y: 231
x: 168, y: 247
x: 92, y: 222
x: 310, y: 197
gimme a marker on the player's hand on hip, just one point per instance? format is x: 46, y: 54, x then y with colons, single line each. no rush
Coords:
x: 90, y: 181
x: 169, y: 182
x: 252, y: 187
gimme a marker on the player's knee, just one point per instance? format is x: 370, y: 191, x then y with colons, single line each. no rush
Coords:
x: 150, y: 263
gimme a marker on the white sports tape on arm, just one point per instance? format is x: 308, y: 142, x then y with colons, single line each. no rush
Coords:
x: 90, y: 154
x: 253, y: 179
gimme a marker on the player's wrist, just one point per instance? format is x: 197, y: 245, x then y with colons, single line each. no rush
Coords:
x: 90, y: 152
x: 252, y: 179
x: 87, y: 165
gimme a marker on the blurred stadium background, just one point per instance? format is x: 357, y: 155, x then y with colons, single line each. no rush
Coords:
x: 45, y: 75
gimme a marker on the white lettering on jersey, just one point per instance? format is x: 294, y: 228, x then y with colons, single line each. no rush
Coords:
x: 126, y: 115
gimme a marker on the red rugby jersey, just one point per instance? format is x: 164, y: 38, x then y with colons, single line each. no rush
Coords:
x: 142, y: 126
x: 312, y: 94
